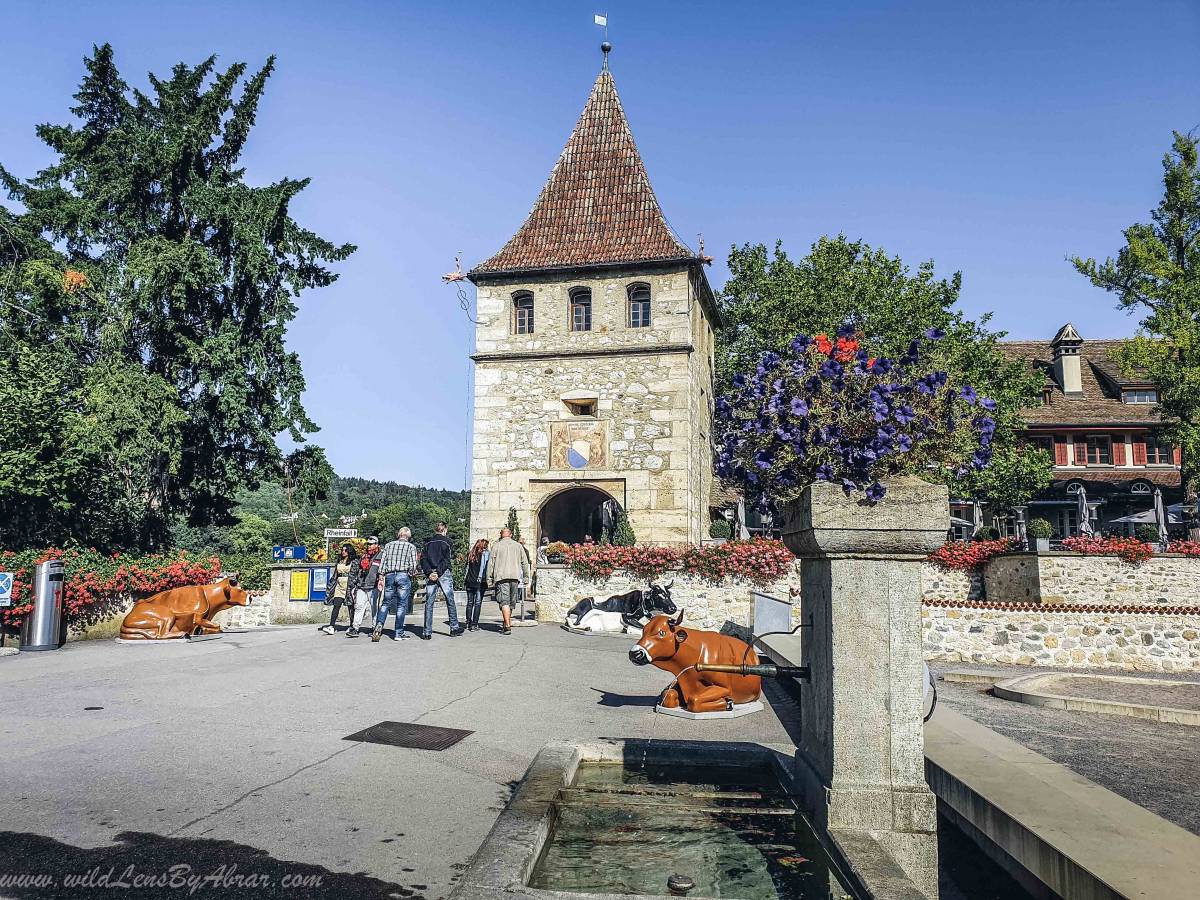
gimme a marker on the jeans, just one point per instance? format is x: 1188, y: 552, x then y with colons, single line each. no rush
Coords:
x: 397, y: 598
x: 445, y: 584
x: 474, y: 604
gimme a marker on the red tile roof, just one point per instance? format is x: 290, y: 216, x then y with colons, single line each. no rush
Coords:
x: 1101, y: 377
x: 597, y: 207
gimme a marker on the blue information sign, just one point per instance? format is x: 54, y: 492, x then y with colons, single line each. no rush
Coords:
x: 292, y: 553
x: 6, y: 586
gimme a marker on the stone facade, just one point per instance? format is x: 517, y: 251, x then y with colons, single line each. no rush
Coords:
x: 1142, y: 642
x: 256, y: 615
x: 652, y: 389
x: 708, y: 606
x: 950, y: 584
x: 1083, y: 579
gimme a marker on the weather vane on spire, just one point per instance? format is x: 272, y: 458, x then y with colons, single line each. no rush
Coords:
x: 602, y: 21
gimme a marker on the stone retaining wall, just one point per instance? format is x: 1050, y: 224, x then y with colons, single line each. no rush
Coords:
x: 950, y: 584
x: 709, y: 606
x: 1076, y: 578
x: 255, y: 615
x: 1135, y: 641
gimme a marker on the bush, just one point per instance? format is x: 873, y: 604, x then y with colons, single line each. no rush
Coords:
x: 1187, y: 548
x: 759, y: 560
x: 968, y: 556
x: 1147, y: 533
x: 97, y: 585
x: 513, y: 523
x: 1039, y: 528
x: 1129, y: 549
x: 720, y: 529
x: 987, y: 534
x: 622, y: 534
x: 253, y: 569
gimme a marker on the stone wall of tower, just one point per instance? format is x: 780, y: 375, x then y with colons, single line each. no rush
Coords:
x: 652, y: 388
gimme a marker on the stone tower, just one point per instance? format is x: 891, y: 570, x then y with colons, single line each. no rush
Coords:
x: 594, y: 355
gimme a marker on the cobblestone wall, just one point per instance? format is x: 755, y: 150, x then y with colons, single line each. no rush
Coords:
x: 1074, y: 578
x: 257, y: 614
x: 708, y: 606
x: 950, y: 584
x: 1135, y: 641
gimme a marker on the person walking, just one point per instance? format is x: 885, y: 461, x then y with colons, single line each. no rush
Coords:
x: 338, y: 592
x: 477, y: 581
x: 510, y: 567
x: 435, y: 563
x: 364, y: 588
x: 397, y: 568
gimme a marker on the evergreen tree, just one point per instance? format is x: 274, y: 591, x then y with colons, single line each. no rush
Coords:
x: 513, y: 525
x: 623, y: 535
x: 168, y: 283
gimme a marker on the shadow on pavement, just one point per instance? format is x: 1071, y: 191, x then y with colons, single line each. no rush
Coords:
x: 609, y: 698
x: 144, y: 865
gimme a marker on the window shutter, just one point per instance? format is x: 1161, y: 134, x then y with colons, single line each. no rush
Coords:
x: 1080, y: 450
x: 1118, y: 447
x: 1139, y: 451
x: 1060, y: 451
x: 1178, y: 456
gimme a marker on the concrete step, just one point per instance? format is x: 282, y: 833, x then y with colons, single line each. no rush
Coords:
x: 973, y: 676
x: 1040, y: 819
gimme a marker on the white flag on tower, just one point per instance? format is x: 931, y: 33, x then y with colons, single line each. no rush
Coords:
x: 602, y: 20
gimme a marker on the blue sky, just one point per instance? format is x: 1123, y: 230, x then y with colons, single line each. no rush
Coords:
x: 993, y: 138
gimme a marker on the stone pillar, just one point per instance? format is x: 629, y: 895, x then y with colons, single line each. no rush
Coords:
x: 861, y: 759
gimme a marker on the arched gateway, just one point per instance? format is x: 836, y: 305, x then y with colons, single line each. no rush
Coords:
x: 576, y: 512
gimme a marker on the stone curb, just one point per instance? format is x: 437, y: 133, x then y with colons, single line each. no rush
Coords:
x: 1024, y: 689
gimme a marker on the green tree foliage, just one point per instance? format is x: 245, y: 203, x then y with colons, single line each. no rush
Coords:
x: 1157, y: 273
x: 622, y: 533
x: 770, y: 298
x: 153, y: 286
x: 513, y: 525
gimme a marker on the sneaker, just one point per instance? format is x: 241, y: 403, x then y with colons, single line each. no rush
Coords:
x: 376, y: 634
x: 506, y: 631
x: 326, y: 629
x: 426, y: 637
x: 353, y: 632
x: 455, y: 632
x: 402, y: 635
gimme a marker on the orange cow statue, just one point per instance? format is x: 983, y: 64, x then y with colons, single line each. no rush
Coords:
x: 182, y: 611
x: 677, y: 650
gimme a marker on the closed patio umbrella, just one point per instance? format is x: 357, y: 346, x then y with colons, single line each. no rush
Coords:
x: 1160, y: 520
x: 1085, y: 519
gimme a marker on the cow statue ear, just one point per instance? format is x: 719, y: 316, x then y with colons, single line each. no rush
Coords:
x: 681, y: 635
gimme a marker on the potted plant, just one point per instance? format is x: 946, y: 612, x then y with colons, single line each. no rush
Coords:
x: 826, y: 415
x: 720, y: 531
x: 1039, y: 531
x: 556, y: 552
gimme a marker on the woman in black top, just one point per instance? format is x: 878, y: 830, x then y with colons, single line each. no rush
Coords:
x: 477, y: 582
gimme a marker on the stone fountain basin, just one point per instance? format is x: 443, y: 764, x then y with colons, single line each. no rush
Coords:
x: 509, y: 856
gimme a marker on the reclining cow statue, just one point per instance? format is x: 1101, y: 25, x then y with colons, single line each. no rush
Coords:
x: 182, y: 611
x: 621, y: 612
x: 677, y: 650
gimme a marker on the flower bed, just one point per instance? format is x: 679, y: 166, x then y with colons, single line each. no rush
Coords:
x: 970, y: 556
x: 1186, y: 548
x: 759, y: 560
x: 1129, y: 549
x: 97, y: 585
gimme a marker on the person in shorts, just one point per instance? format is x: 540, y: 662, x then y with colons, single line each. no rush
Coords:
x: 510, y: 569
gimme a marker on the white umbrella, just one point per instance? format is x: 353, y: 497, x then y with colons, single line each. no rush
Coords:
x: 1085, y: 519
x: 1160, y: 520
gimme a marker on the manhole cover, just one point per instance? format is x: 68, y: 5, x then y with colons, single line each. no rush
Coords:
x: 408, y: 734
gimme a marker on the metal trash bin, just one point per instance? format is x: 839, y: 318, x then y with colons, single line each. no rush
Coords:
x: 43, y: 627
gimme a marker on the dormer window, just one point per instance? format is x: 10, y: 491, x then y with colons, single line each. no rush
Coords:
x: 581, y: 309
x: 639, y: 305
x: 1140, y: 395
x: 522, y: 312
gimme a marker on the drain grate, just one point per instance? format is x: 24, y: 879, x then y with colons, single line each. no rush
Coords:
x: 409, y: 734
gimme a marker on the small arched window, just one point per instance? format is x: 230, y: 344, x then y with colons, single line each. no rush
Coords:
x: 522, y: 312
x: 639, y: 305
x: 581, y: 309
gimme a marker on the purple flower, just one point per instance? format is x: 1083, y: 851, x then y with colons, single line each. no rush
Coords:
x: 968, y: 394
x: 763, y: 459
x: 847, y: 330
x: 875, y: 491
x: 799, y: 407
x: 987, y: 403
x: 739, y: 381
x: 824, y: 472
x: 904, y: 443
x: 904, y: 414
x: 800, y: 343
x: 849, y: 486
x: 831, y: 368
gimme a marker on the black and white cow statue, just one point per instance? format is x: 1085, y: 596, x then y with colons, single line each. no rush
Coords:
x: 621, y: 612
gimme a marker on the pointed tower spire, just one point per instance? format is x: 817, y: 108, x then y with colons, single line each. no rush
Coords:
x: 597, y: 207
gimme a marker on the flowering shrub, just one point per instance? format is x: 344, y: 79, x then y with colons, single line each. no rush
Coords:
x: 1187, y: 548
x: 759, y: 560
x: 557, y: 548
x: 827, y: 411
x: 969, y: 556
x: 1129, y: 549
x: 97, y: 584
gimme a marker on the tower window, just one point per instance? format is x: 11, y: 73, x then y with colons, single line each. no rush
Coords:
x: 585, y: 408
x: 522, y: 312
x: 581, y: 309
x: 639, y: 305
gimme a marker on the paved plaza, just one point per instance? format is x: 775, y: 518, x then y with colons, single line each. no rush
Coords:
x: 232, y: 751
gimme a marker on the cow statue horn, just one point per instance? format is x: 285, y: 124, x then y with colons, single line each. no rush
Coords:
x: 678, y: 619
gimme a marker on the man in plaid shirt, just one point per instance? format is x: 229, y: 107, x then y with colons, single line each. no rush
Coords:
x: 397, y: 568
